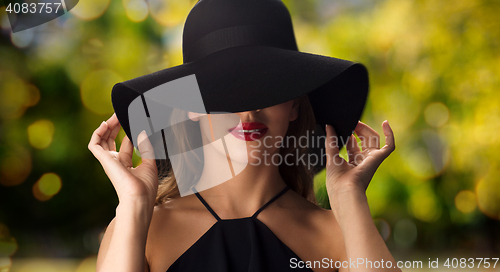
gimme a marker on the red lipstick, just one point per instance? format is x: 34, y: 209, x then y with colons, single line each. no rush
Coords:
x: 249, y: 131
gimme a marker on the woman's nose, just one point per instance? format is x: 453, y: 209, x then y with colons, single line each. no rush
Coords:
x: 247, y: 112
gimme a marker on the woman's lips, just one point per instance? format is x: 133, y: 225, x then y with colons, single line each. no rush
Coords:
x: 249, y: 131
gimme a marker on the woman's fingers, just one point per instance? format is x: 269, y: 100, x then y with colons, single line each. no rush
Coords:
x: 378, y: 156
x: 126, y: 152
x: 105, y: 136
x: 107, y: 139
x: 362, y: 165
x: 332, y: 147
x: 96, y: 140
x: 390, y: 145
x: 145, y: 147
x: 353, y: 151
x: 113, y: 120
x: 114, y: 127
x: 370, y: 139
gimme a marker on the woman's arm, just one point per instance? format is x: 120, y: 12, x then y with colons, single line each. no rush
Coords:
x: 365, y: 250
x: 124, y: 243
x: 363, y: 243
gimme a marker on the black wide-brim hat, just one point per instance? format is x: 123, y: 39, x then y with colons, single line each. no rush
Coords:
x: 244, y: 56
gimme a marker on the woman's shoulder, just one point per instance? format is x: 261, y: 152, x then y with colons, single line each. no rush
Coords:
x: 178, y: 213
x: 175, y: 205
x: 182, y: 210
x: 304, y: 208
x: 308, y: 229
x: 175, y: 225
x: 295, y: 210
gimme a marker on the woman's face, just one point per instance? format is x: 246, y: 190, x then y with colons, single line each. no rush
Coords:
x: 251, y: 137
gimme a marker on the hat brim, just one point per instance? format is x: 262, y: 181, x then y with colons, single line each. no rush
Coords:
x: 254, y: 77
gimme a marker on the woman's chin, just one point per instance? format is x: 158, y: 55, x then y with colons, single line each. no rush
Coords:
x: 244, y: 159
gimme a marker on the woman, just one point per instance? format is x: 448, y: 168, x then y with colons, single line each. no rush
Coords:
x: 252, y: 221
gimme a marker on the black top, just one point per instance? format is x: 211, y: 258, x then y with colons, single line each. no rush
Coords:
x: 240, y: 244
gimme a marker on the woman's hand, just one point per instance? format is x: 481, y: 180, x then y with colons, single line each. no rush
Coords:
x: 355, y: 175
x: 346, y: 184
x: 131, y: 184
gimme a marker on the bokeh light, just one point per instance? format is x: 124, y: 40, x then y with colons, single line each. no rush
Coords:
x: 423, y: 203
x: 488, y: 193
x: 8, y: 244
x: 169, y: 12
x: 133, y: 47
x: 15, y: 165
x: 14, y: 96
x: 47, y: 186
x: 95, y: 90
x: 34, y: 95
x: 312, y: 38
x: 52, y: 48
x: 90, y: 9
x: 4, y: 19
x: 486, y: 118
x: 418, y: 82
x: 157, y: 61
x: 172, y: 41
x: 400, y: 108
x: 425, y: 155
x: 418, y: 163
x: 465, y: 201
x: 93, y: 50
x: 383, y: 228
x: 436, y: 114
x: 41, y: 133
x: 79, y: 66
x: 137, y: 10
x: 405, y: 233
x: 438, y: 150
x: 23, y: 38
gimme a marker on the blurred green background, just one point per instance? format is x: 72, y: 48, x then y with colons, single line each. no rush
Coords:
x: 434, y: 74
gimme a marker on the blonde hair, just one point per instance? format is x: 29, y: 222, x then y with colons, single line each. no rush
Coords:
x: 297, y: 176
